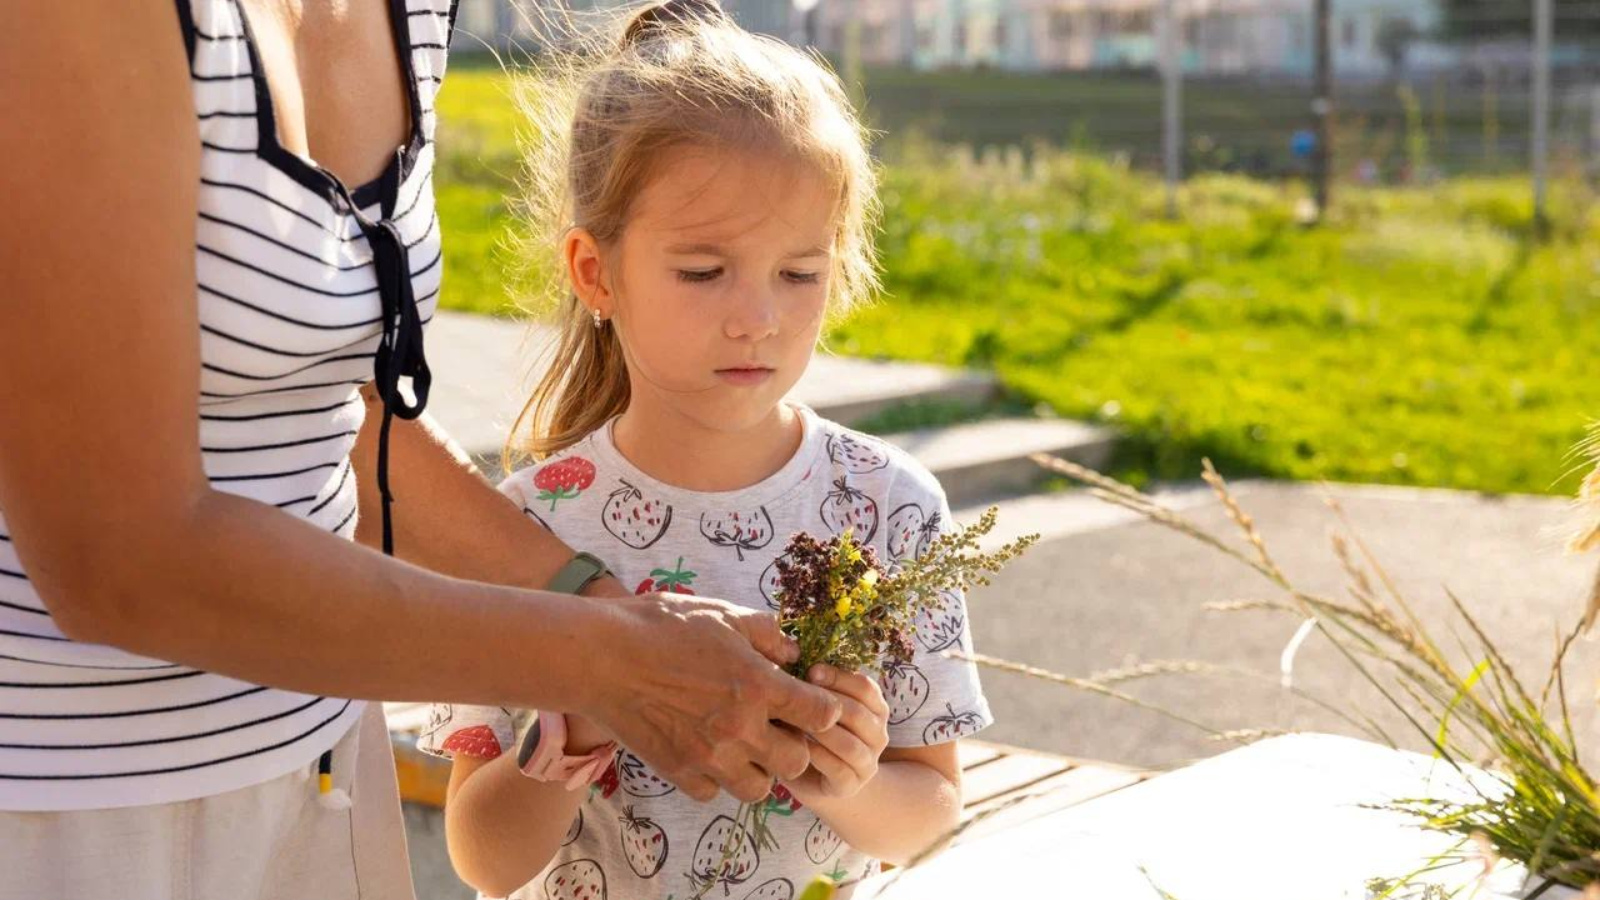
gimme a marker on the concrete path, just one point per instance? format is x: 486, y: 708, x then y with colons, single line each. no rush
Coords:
x: 1125, y: 591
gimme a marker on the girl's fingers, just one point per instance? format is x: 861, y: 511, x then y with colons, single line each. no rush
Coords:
x: 837, y: 775
x: 849, y: 749
x: 855, y: 685
x: 860, y: 721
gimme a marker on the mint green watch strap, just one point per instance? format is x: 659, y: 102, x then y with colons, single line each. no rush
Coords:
x: 579, y: 572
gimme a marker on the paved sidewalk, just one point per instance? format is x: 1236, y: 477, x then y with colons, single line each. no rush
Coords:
x: 1120, y: 591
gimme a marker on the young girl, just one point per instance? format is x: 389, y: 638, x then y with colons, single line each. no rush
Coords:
x: 715, y: 201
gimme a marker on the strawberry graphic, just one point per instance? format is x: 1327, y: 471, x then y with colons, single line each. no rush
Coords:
x: 675, y: 581
x: 537, y: 518
x: 580, y: 879
x: 725, y: 853
x: 439, y: 715
x: 940, y: 625
x: 644, y: 843
x: 638, y: 780
x: 951, y: 726
x: 632, y: 519
x: 821, y: 842
x: 477, y: 742
x: 609, y: 781
x: 769, y: 581
x: 905, y: 689
x: 782, y: 802
x: 564, y: 479
x: 906, y: 537
x: 776, y: 889
x: 575, y: 830
x: 838, y: 875
x: 856, y: 454
x: 741, y: 531
x: 846, y: 507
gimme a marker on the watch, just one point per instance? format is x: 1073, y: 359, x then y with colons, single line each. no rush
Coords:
x: 582, y: 570
x: 543, y: 755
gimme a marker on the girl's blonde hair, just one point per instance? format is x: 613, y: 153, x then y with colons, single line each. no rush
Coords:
x: 601, y: 118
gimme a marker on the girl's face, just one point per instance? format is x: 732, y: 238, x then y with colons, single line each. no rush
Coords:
x: 717, y: 286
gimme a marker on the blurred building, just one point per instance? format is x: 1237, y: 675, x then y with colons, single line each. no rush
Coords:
x: 1371, y: 38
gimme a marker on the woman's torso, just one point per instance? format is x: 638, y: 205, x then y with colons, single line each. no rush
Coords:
x: 289, y: 318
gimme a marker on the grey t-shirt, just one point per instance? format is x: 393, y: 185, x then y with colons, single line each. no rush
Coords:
x: 636, y: 836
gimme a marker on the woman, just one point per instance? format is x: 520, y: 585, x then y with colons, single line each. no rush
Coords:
x: 154, y: 577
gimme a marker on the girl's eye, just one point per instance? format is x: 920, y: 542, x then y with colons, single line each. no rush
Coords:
x: 698, y: 275
x: 803, y: 277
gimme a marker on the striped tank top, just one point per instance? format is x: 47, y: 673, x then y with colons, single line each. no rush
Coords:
x: 300, y: 284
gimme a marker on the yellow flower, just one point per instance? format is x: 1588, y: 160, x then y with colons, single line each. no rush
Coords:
x: 870, y: 578
x: 842, y: 607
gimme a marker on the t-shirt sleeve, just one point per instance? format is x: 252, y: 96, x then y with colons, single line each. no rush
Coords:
x: 481, y: 732
x: 933, y: 699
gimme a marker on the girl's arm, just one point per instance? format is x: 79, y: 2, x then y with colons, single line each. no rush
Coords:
x: 502, y: 827
x: 888, y: 802
x: 105, y: 491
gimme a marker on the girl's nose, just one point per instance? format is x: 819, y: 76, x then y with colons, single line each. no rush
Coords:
x: 754, y: 315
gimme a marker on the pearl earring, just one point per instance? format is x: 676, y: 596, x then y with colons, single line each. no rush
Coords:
x: 598, y: 321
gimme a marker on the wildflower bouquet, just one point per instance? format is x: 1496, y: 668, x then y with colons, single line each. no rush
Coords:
x: 847, y: 609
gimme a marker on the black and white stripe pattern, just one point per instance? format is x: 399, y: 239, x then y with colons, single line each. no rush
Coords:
x: 289, y: 321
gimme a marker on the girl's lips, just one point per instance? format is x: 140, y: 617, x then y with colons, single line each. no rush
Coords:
x: 745, y: 376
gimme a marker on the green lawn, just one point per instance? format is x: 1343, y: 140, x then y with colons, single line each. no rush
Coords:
x: 1423, y: 337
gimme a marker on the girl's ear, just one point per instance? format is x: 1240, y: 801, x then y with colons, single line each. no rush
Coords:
x: 587, y: 272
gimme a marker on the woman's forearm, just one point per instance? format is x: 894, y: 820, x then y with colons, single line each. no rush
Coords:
x: 237, y: 587
x: 502, y: 827
x: 898, y: 814
x: 446, y: 516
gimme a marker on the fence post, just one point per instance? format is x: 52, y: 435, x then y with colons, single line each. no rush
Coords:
x: 1171, y: 48
x: 1594, y: 132
x: 1322, y: 105
x: 1543, y: 14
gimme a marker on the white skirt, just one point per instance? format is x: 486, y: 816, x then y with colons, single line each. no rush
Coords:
x: 271, y: 841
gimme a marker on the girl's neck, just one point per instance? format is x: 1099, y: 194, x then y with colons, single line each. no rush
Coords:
x: 675, y: 450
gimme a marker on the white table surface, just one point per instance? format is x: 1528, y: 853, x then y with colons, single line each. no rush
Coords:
x: 1278, y: 820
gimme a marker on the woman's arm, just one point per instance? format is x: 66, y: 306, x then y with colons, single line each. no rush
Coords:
x: 448, y: 518
x: 503, y: 827
x: 103, y: 487
x: 888, y: 802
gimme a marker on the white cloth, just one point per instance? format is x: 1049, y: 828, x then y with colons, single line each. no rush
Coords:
x: 269, y: 841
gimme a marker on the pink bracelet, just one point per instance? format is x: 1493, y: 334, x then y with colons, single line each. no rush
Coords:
x: 547, y: 759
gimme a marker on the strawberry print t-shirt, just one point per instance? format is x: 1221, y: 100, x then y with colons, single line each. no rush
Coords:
x: 637, y: 836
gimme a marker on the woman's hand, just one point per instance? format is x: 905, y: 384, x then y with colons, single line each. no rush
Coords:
x: 692, y: 686
x: 845, y: 757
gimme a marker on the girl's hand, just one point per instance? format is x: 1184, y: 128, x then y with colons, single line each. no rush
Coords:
x: 583, y: 735
x: 845, y: 757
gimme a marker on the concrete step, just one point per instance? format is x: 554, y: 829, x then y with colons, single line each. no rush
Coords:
x: 484, y: 368
x: 988, y: 460
x: 1061, y: 514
